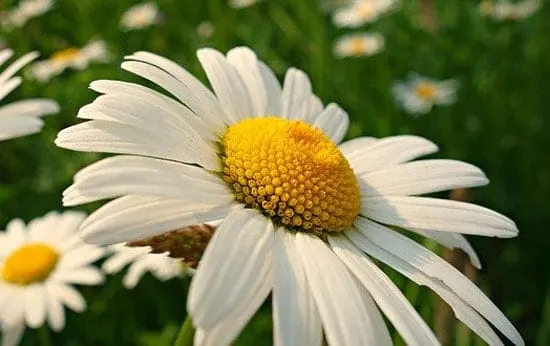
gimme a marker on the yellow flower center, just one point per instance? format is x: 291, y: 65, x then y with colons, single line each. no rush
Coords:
x: 358, y: 46
x: 291, y: 172
x: 425, y: 90
x: 30, y: 263
x: 66, y: 55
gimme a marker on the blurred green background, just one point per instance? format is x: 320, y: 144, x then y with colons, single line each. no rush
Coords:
x: 501, y: 123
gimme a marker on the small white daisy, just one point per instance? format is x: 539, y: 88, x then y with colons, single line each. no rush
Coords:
x: 26, y: 10
x: 141, y: 261
x: 39, y: 263
x: 242, y: 3
x: 21, y: 117
x: 205, y: 29
x: 506, y: 10
x: 359, y: 44
x: 302, y: 215
x: 419, y: 94
x: 76, y: 58
x: 140, y: 16
x: 363, y: 11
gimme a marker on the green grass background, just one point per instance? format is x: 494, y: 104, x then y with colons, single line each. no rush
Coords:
x: 500, y: 123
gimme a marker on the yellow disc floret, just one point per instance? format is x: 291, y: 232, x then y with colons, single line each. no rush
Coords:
x: 30, y: 263
x: 291, y: 172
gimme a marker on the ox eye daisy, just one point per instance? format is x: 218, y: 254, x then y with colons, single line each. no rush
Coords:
x: 20, y: 118
x: 140, y: 16
x: 360, y: 44
x: 361, y: 12
x: 419, y: 94
x: 72, y: 57
x: 39, y: 263
x: 302, y: 214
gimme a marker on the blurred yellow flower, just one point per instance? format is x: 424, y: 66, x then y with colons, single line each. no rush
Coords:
x: 359, y: 44
x: 363, y: 11
x: 419, y: 94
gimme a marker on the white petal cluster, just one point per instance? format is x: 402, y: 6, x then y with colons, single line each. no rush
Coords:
x: 361, y: 12
x: 75, y: 58
x: 358, y: 44
x: 140, y: 16
x: 43, y: 302
x: 242, y: 3
x: 26, y: 10
x: 21, y: 117
x: 505, y: 10
x: 418, y: 94
x: 166, y: 175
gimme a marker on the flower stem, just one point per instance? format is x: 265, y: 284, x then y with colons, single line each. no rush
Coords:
x: 186, y: 333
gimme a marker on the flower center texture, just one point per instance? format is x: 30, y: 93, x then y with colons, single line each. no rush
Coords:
x: 292, y: 172
x: 66, y: 55
x: 425, y: 90
x: 29, y: 264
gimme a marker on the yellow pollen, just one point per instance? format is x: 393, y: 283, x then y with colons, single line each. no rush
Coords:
x: 291, y: 172
x: 358, y: 46
x: 425, y: 90
x: 30, y: 263
x: 66, y: 55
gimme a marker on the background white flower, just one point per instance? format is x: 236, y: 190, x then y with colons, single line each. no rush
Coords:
x: 39, y: 264
x: 419, y: 94
x: 140, y: 16
x: 358, y: 44
x: 141, y: 261
x: 302, y: 216
x: 26, y: 10
x: 21, y: 117
x: 361, y: 12
x: 242, y: 3
x: 506, y: 10
x: 76, y: 58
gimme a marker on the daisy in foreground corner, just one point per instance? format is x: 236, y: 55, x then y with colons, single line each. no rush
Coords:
x: 39, y: 263
x: 419, y: 94
x: 21, y: 117
x: 303, y: 216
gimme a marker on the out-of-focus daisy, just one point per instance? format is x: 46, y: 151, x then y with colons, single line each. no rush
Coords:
x: 363, y: 11
x: 419, y: 94
x: 39, y: 264
x: 140, y: 16
x: 205, y: 29
x: 26, y: 10
x: 76, y: 58
x: 242, y: 3
x: 141, y: 261
x: 302, y: 216
x: 359, y: 44
x: 21, y: 117
x: 506, y: 10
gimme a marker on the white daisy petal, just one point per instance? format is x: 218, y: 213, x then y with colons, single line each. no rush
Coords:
x: 81, y: 256
x: 17, y: 65
x: 390, y: 151
x: 388, y: 297
x: 246, y: 63
x: 296, y: 95
x: 135, y: 273
x: 421, y: 177
x: 56, y: 314
x: 119, y: 175
x: 190, y: 91
x: 354, y: 147
x: 227, y: 330
x: 35, y: 305
x: 273, y: 90
x: 435, y: 267
x: 462, y: 310
x: 334, y: 122
x: 244, y: 262
x: 116, y: 262
x: 131, y: 218
x: 12, y: 334
x: 29, y: 108
x: 16, y: 126
x: 67, y: 295
x: 315, y: 110
x: 435, y: 214
x: 295, y: 317
x: 453, y: 241
x: 81, y: 276
x: 378, y: 325
x: 336, y: 295
x: 230, y: 88
x: 5, y: 55
x: 9, y: 86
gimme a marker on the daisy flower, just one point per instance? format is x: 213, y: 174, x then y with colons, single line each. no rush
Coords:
x: 21, y: 117
x: 505, y: 10
x: 140, y: 16
x: 26, y: 10
x: 76, y: 58
x: 39, y: 263
x: 360, y: 44
x: 419, y: 94
x: 302, y: 216
x: 141, y: 261
x: 361, y: 12
x: 242, y: 3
